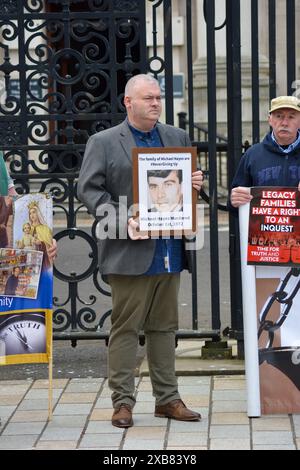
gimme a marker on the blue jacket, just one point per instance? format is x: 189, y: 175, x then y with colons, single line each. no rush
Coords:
x: 264, y: 164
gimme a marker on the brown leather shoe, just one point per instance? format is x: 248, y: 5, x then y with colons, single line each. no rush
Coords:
x: 122, y: 416
x: 176, y: 409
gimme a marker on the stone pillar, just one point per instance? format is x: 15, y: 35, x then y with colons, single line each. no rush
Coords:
x: 200, y: 75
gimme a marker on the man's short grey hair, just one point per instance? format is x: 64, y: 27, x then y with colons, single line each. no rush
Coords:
x: 137, y: 79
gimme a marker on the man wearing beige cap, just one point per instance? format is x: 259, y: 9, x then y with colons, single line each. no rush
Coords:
x: 276, y: 160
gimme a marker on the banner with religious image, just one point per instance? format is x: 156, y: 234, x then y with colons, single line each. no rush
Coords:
x: 271, y: 305
x: 26, y: 279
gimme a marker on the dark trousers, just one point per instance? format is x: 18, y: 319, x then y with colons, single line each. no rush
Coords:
x: 148, y: 303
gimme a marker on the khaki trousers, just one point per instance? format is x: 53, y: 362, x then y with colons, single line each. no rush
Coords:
x: 148, y: 303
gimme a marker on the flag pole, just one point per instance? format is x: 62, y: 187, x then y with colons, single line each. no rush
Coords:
x: 50, y: 371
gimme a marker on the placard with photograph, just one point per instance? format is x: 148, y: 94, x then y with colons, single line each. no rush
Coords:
x: 162, y: 189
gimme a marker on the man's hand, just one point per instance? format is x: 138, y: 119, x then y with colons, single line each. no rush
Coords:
x: 52, y: 250
x: 197, y: 179
x: 12, y: 191
x: 299, y: 186
x: 134, y: 230
x: 240, y: 195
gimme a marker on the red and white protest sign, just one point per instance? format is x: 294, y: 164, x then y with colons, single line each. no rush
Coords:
x: 274, y: 226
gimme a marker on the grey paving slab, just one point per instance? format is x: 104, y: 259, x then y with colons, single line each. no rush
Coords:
x: 232, y: 383
x: 234, y: 431
x: 228, y: 395
x: 18, y: 382
x: 229, y: 418
x: 84, y: 386
x: 187, y: 439
x: 61, y: 433
x: 148, y: 419
x: 101, y: 414
x: 230, y: 378
x: 188, y: 426
x: 40, y: 393
x: 229, y: 444
x: 3, y: 422
x: 146, y: 407
x: 195, y: 400
x: 201, y: 389
x: 203, y: 410
x: 72, y: 409
x: 82, y: 418
x: 29, y: 416
x: 36, y: 404
x: 188, y: 448
x: 17, y: 442
x: 100, y: 440
x: 105, y: 392
x: 82, y: 397
x: 102, y: 427
x: 6, y: 388
x: 67, y: 421
x: 103, y: 402
x: 230, y: 406
x: 296, y: 419
x: 132, y: 444
x: 101, y: 448
x: 147, y: 396
x: 16, y: 429
x: 145, y: 432
x: 56, y: 445
x: 11, y: 399
x: 296, y: 423
x: 87, y: 380
x: 272, y: 423
x: 6, y: 411
x: 272, y: 437
x: 274, y: 447
x: 192, y: 380
x: 56, y: 383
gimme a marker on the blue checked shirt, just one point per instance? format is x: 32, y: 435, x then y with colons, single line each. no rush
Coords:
x: 290, y: 147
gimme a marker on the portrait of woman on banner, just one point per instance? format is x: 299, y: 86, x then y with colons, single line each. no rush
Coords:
x: 40, y: 231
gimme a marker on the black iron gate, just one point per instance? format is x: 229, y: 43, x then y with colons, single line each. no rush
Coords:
x: 63, y: 67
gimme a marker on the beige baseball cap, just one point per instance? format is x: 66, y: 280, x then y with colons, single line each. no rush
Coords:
x: 291, y: 102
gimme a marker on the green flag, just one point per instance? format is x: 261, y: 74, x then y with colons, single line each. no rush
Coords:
x: 3, y: 177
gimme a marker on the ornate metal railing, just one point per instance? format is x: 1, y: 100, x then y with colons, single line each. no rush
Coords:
x: 63, y: 68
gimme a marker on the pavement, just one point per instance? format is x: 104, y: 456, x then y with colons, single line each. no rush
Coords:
x: 82, y: 412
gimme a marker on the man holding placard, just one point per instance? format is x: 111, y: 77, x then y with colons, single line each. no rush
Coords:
x: 276, y: 160
x: 143, y: 272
